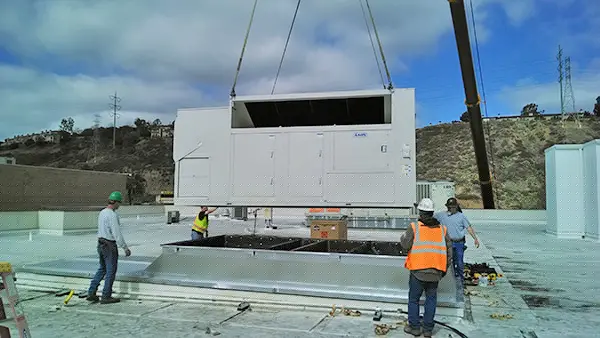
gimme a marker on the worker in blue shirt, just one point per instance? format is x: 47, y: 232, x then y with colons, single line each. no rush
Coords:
x: 458, y: 225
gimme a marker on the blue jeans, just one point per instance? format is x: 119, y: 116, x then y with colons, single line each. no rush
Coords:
x: 458, y: 251
x: 198, y: 235
x: 415, y: 290
x: 109, y: 258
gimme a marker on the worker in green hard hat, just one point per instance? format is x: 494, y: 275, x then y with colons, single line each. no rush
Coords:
x: 110, y: 238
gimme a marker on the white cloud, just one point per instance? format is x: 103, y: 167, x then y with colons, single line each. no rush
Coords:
x: 34, y: 99
x: 174, y: 54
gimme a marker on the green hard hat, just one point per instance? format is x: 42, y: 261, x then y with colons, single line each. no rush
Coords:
x: 115, y: 196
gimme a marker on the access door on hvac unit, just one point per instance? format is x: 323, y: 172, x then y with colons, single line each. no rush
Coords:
x: 361, y: 172
x: 306, y: 164
x: 194, y: 177
x: 361, y: 151
x: 253, y: 165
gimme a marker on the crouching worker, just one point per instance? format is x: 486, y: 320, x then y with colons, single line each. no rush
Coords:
x: 200, y: 226
x: 429, y: 257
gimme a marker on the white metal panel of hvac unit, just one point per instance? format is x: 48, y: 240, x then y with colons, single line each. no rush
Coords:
x: 337, y: 149
x: 438, y: 191
x: 591, y: 189
x: 564, y: 191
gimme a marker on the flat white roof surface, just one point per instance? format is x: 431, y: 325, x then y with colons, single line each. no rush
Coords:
x: 550, y: 287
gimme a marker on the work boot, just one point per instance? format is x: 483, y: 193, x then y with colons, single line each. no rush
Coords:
x: 427, y: 333
x: 412, y: 330
x: 92, y: 298
x: 109, y: 300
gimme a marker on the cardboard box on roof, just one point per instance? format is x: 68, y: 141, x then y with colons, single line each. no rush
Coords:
x: 329, y: 229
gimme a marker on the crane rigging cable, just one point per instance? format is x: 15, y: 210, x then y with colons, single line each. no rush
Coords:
x: 372, y: 43
x: 237, y: 73
x: 387, y: 71
x: 239, y: 66
x: 489, y: 138
x: 287, y: 41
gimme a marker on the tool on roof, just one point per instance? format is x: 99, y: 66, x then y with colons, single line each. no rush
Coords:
x: 377, y: 315
x: 69, y: 296
x: 242, y: 307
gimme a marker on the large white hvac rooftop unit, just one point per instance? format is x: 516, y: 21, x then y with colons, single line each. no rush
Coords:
x: 336, y: 149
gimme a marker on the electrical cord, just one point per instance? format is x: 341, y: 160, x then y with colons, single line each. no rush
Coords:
x: 462, y: 335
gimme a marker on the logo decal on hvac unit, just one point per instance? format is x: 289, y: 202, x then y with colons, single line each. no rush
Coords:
x: 360, y: 134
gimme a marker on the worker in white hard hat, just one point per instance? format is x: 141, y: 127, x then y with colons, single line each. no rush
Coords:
x: 429, y: 256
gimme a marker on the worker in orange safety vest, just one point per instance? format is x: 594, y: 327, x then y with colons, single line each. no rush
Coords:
x: 200, y: 226
x: 429, y: 257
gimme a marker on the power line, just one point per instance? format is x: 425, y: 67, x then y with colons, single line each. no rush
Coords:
x: 489, y: 138
x: 115, y: 108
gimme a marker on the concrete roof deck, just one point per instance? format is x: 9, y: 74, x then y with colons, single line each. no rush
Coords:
x: 549, y: 287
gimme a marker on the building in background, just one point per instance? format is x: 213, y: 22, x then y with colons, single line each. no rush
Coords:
x: 164, y: 131
x: 8, y: 160
x: 48, y: 136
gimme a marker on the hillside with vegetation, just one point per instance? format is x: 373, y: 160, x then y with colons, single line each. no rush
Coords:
x: 515, y: 151
x: 444, y: 152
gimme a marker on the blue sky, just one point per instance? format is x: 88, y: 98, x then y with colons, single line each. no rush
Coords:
x: 62, y: 58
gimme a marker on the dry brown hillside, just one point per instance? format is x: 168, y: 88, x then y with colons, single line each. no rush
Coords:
x: 516, y: 154
x: 444, y: 151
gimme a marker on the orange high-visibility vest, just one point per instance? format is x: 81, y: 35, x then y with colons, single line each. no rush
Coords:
x: 429, y: 248
x: 200, y: 225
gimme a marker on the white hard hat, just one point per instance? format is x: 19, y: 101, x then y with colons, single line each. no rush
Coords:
x: 426, y: 204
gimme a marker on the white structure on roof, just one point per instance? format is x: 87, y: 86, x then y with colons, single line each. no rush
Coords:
x: 338, y: 149
x: 573, y: 190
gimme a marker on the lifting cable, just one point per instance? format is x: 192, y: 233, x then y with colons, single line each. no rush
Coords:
x: 286, y: 45
x: 389, y: 77
x: 237, y: 73
x: 372, y: 43
x: 489, y: 138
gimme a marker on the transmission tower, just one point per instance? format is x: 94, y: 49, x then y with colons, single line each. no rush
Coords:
x: 569, y: 96
x: 559, y: 57
x: 115, y: 107
x: 96, y: 137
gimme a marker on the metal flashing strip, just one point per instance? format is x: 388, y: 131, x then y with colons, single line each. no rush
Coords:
x: 196, y: 295
x: 374, y: 271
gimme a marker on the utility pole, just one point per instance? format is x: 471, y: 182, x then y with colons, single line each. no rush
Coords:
x: 472, y: 101
x: 114, y: 105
